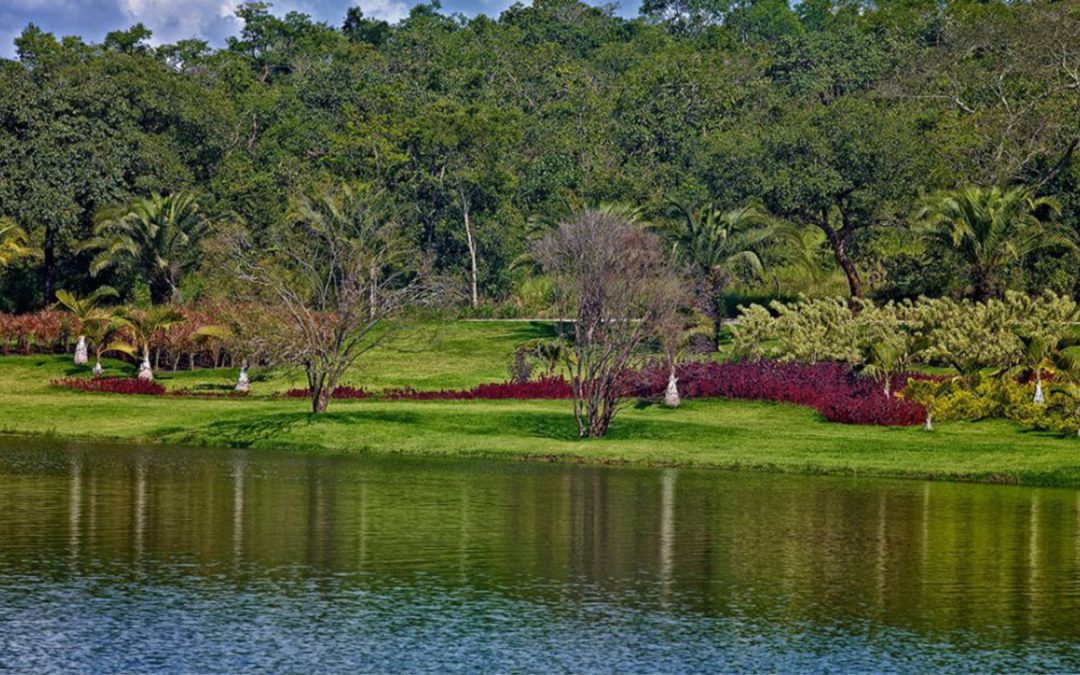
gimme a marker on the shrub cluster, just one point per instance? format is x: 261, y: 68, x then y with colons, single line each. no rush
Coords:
x: 53, y: 331
x: 834, y: 389
x: 343, y: 392
x: 44, y: 332
x: 112, y: 385
x: 543, y: 388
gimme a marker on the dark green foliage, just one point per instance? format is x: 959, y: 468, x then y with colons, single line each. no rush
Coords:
x: 839, y: 117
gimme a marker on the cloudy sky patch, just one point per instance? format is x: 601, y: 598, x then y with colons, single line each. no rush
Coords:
x: 173, y: 20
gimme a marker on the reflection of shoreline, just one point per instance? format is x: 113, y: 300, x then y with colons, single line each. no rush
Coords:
x: 792, y: 549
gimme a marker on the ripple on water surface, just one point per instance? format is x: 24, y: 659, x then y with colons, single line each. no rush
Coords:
x: 194, y: 560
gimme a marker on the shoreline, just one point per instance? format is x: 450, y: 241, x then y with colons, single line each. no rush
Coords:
x: 809, y: 468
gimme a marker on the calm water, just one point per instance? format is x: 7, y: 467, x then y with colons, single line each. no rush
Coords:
x: 194, y: 560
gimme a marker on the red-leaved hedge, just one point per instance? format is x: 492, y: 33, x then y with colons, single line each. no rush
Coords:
x: 834, y: 389
x: 112, y: 385
x: 544, y: 388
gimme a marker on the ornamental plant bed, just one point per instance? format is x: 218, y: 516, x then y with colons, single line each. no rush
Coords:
x: 544, y: 388
x: 112, y: 385
x: 833, y: 389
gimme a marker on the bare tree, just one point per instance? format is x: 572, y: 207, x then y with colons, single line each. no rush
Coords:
x: 614, y: 279
x: 339, y: 273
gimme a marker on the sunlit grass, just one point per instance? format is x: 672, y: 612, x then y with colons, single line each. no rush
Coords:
x: 716, y: 433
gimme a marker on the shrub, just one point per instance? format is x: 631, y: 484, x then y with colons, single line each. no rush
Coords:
x: 342, y: 392
x: 543, y: 388
x: 112, y: 385
x: 834, y: 389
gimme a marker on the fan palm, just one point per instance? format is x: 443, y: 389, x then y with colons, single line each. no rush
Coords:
x: 991, y: 229
x: 716, y: 246
x: 158, y: 236
x: 14, y: 242
x: 84, y: 308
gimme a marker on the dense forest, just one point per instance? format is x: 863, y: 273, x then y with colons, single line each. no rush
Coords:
x: 839, y: 121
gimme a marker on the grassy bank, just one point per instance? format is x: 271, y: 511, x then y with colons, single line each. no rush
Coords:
x: 726, y: 434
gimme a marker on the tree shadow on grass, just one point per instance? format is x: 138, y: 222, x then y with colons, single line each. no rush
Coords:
x: 555, y: 426
x: 246, y: 432
x: 462, y: 421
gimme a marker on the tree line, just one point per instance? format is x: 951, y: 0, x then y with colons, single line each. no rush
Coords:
x: 858, y: 148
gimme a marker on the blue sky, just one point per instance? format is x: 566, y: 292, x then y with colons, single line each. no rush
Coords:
x: 213, y: 20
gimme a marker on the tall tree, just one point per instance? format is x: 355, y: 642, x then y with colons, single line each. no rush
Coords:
x: 717, y: 246
x: 613, y: 278
x: 993, y: 228
x: 160, y: 237
x: 338, y: 274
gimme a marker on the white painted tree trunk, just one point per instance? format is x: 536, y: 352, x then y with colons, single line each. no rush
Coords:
x: 1039, y: 398
x: 472, y: 247
x: 671, y: 394
x: 145, y: 372
x: 243, y: 383
x: 98, y: 370
x: 928, y: 425
x: 81, y: 358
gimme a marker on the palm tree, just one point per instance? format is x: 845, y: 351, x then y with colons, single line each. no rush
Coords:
x: 991, y: 229
x: 143, y: 326
x: 103, y: 332
x: 158, y: 236
x: 884, y: 359
x: 1035, y: 355
x: 14, y: 242
x: 716, y: 245
x: 84, y: 308
x: 1066, y: 368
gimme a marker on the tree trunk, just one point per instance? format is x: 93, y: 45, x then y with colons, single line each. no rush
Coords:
x: 472, y: 247
x: 1039, y: 397
x: 320, y: 399
x: 928, y: 425
x: 48, y: 264
x: 839, y: 247
x: 161, y: 291
x: 373, y: 294
x: 81, y: 357
x: 671, y: 395
x: 145, y: 371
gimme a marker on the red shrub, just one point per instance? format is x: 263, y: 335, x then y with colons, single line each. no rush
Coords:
x: 195, y: 393
x: 341, y: 393
x: 544, y: 388
x: 112, y: 385
x: 837, y: 392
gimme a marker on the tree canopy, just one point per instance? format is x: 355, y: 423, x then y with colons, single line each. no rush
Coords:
x: 839, y: 117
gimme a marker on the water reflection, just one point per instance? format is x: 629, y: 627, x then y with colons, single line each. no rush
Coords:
x: 780, y: 571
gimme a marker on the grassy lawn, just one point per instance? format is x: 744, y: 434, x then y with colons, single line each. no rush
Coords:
x: 716, y: 433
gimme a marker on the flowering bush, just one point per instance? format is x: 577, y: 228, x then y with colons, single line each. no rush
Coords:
x: 112, y: 385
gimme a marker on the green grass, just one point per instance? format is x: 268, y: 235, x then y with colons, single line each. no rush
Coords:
x: 726, y: 434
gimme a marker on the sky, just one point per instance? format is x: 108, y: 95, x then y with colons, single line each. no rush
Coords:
x: 211, y: 20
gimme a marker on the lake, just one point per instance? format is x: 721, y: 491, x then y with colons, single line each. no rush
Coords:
x: 177, y: 559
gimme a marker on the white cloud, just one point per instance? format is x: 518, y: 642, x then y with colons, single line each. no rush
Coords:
x: 172, y: 20
x: 387, y: 10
